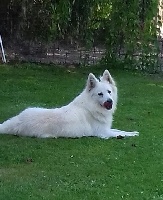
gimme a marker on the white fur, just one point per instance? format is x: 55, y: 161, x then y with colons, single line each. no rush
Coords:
x: 86, y: 115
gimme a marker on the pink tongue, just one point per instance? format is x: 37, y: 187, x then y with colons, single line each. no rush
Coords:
x: 108, y: 105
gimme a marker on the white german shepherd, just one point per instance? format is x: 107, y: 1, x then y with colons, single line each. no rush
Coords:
x: 89, y: 114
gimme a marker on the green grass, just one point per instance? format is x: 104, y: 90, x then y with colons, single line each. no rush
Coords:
x: 85, y: 168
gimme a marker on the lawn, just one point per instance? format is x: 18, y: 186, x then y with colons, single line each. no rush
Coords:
x: 85, y: 168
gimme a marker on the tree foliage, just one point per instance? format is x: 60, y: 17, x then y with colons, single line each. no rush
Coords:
x: 128, y: 26
x: 131, y: 28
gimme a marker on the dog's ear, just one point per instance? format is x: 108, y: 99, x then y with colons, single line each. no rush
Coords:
x: 107, y: 77
x: 91, y: 82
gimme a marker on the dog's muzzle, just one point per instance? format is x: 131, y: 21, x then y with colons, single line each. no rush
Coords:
x: 108, y: 104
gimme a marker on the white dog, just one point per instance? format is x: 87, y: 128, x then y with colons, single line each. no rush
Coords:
x: 89, y: 114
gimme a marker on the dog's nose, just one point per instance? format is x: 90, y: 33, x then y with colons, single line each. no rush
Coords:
x: 110, y: 101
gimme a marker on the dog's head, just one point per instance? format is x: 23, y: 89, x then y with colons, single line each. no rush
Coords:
x: 103, y: 91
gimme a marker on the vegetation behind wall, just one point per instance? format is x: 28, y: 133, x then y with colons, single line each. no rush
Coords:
x: 126, y: 28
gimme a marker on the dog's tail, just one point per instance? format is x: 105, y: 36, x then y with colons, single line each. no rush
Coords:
x: 10, y: 126
x: 2, y: 129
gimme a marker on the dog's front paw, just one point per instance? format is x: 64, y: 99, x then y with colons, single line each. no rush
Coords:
x: 135, y: 133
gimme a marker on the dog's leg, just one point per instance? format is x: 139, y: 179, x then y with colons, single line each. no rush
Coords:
x: 115, y: 133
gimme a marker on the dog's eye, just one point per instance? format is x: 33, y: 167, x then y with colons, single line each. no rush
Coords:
x: 109, y: 91
x: 100, y: 94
